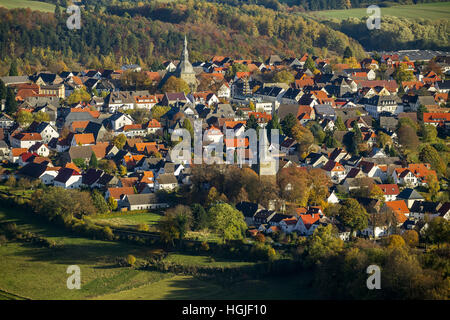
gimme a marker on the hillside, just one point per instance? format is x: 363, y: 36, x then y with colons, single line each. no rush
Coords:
x: 421, y: 26
x: 151, y: 34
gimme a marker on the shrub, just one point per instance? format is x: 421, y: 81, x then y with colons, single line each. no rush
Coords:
x: 205, y: 246
x: 143, y: 227
x: 131, y: 260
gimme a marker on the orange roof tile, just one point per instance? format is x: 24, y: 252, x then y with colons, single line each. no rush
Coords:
x: 398, y: 206
x: 116, y: 193
x: 84, y: 138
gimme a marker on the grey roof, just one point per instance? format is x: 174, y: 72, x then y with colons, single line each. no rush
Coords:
x: 80, y: 152
x: 389, y: 123
x: 325, y: 109
x: 15, y: 79
x: 120, y: 97
x: 426, y: 100
x: 413, y: 55
x: 167, y: 178
x: 409, y: 194
x: 224, y: 110
x: 381, y: 100
x: 78, y: 116
x: 142, y: 199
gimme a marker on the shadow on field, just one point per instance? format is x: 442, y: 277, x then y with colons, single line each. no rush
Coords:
x: 85, y: 253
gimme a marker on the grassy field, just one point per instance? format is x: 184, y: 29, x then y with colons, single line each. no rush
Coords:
x: 187, y: 287
x: 33, y: 5
x: 197, y: 260
x: 127, y: 219
x: 29, y: 272
x: 432, y: 11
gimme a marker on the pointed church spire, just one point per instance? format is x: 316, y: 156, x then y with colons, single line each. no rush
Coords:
x: 185, y: 50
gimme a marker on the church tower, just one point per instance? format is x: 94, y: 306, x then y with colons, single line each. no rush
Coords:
x: 185, y: 70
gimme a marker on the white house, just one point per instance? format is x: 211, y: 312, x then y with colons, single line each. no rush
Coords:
x: 224, y: 91
x: 68, y: 178
x: 405, y: 177
x: 166, y: 181
x: 307, y: 223
x: 25, y: 139
x: 335, y: 171
x: 47, y: 131
x: 6, y: 121
x: 49, y: 175
x: 41, y: 149
x: 145, y: 102
x: 391, y: 191
x: 118, y: 120
x: 143, y: 201
x: 378, y: 104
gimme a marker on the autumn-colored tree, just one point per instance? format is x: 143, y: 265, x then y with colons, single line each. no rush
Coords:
x: 383, y: 140
x: 303, y: 136
x: 319, y: 184
x: 77, y: 96
x: 260, y: 237
x: 395, y: 241
x: 353, y: 215
x: 428, y: 154
x: 213, y: 196
x: 323, y: 244
x: 120, y: 140
x: 284, y: 76
x: 24, y: 118
x: 293, y: 184
x: 112, y: 203
x: 131, y: 260
x: 407, y: 137
x: 411, y: 238
x: 402, y: 73
x: 159, y: 111
x: 433, y: 186
x: 123, y: 170
x: 41, y: 117
x: 376, y: 193
x: 174, y: 84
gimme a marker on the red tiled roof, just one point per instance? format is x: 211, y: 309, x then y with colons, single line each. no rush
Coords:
x: 389, y: 189
x: 309, y: 219
x: 116, y: 193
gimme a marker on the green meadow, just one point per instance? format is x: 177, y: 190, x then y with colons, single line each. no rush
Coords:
x: 432, y: 11
x: 33, y: 5
x: 30, y: 272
